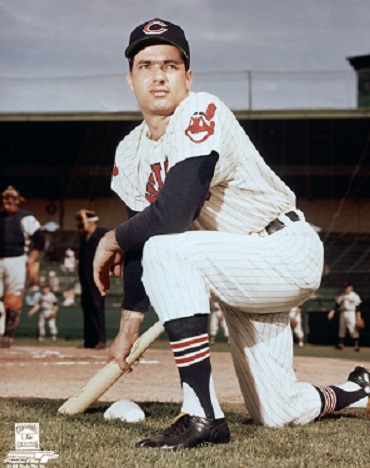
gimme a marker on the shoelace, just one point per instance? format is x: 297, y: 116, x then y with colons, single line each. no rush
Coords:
x: 178, y: 427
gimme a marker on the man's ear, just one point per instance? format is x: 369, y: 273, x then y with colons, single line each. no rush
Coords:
x: 189, y: 80
x: 129, y: 80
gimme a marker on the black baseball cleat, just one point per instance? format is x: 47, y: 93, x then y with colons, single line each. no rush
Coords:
x: 361, y: 376
x: 188, y: 432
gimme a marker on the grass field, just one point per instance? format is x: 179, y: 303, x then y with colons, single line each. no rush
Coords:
x: 87, y: 441
x: 84, y: 441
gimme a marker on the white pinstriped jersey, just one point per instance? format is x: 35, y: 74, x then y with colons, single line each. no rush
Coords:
x: 348, y: 302
x: 245, y: 194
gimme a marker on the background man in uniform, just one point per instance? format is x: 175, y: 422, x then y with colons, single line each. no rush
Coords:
x: 209, y: 218
x: 48, y: 306
x: 295, y: 316
x: 347, y: 305
x: 217, y: 320
x: 93, y: 303
x: 21, y: 242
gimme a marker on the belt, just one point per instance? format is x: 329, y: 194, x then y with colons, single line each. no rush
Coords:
x: 277, y: 225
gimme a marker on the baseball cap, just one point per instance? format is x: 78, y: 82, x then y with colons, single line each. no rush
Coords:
x: 85, y: 216
x: 157, y: 31
x: 11, y: 192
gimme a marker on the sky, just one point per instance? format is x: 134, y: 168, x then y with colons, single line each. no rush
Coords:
x: 58, y: 55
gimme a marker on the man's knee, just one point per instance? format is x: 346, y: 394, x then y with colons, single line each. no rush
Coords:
x: 13, y: 301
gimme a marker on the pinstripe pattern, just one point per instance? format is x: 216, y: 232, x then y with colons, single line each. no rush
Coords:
x: 263, y: 359
x: 252, y: 276
x: 256, y: 278
x: 250, y: 273
x: 246, y: 193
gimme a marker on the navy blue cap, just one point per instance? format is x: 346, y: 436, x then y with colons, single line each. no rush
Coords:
x: 157, y: 31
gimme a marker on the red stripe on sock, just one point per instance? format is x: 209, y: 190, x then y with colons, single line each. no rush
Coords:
x: 330, y: 400
x: 194, y: 357
x: 189, y: 342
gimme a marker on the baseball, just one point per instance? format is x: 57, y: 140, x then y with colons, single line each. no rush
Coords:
x: 125, y: 410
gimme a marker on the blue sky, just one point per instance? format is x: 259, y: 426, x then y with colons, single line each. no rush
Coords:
x: 67, y: 42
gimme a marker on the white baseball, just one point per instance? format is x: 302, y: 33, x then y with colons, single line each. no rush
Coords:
x: 125, y: 410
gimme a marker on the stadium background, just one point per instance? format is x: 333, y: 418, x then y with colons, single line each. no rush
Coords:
x: 62, y: 162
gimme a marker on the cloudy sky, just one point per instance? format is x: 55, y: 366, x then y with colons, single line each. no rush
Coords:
x: 68, y: 54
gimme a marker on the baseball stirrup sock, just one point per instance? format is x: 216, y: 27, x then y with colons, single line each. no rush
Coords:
x: 190, y: 345
x: 335, y: 398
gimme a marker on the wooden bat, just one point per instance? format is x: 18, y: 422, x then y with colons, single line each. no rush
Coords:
x: 108, y: 375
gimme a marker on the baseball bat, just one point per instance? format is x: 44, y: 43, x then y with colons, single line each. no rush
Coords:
x: 108, y: 375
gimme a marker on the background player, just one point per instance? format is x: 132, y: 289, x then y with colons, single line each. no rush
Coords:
x: 347, y: 305
x: 18, y: 229
x: 48, y: 307
x: 93, y: 303
x: 217, y: 320
x: 209, y: 218
x: 295, y: 316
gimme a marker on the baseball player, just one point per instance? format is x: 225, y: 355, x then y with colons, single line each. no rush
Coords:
x: 347, y: 305
x: 295, y: 316
x: 209, y: 219
x: 48, y: 307
x: 93, y: 303
x: 217, y: 320
x: 18, y: 230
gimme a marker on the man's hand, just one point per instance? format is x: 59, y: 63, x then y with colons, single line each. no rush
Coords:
x: 331, y: 314
x: 108, y: 258
x: 129, y: 332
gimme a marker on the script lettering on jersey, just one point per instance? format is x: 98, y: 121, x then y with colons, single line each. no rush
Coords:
x: 201, y: 125
x: 155, y: 181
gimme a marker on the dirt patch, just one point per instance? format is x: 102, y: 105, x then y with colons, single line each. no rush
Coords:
x: 59, y: 372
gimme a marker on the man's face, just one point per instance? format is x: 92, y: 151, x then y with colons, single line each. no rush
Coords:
x: 159, y: 79
x: 10, y: 204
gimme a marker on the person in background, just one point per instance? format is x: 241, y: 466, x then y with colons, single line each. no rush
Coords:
x: 69, y: 262
x: 217, y: 320
x: 48, y: 307
x: 53, y: 281
x: 21, y: 241
x: 295, y: 316
x: 347, y: 305
x: 93, y: 304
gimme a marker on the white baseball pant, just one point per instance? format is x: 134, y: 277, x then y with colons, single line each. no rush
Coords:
x: 298, y: 329
x: 12, y: 281
x: 217, y: 320
x: 12, y: 275
x: 43, y: 319
x: 347, y: 320
x: 258, y: 280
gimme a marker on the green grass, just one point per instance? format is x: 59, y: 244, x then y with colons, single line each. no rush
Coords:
x: 87, y: 440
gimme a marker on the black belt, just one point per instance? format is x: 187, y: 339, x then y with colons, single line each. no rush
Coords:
x: 276, y: 225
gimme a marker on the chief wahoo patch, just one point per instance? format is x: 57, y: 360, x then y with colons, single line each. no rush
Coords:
x: 201, y: 125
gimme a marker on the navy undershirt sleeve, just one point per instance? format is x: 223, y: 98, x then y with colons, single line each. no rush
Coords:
x: 178, y: 203
x: 38, y: 240
x: 134, y: 295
